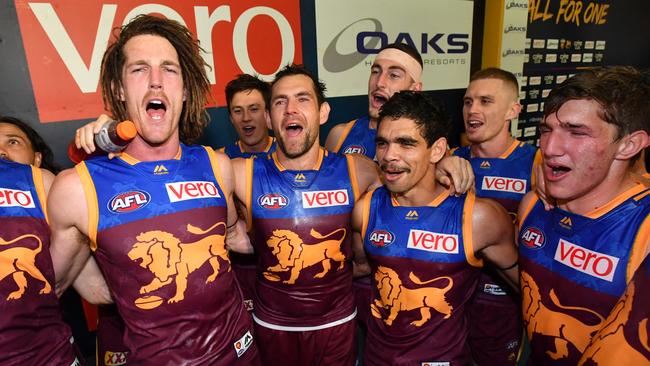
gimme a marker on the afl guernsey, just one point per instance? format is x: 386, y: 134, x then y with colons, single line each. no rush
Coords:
x: 301, y: 221
x: 236, y: 151
x: 32, y: 331
x: 423, y: 272
x: 357, y: 137
x: 574, y: 268
x: 623, y: 338
x: 158, y: 232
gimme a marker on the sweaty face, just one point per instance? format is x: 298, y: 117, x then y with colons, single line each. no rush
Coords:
x: 404, y: 159
x: 386, y: 78
x: 296, y: 115
x: 578, y: 149
x: 153, y: 88
x: 15, y: 146
x: 249, y: 117
x: 487, y: 107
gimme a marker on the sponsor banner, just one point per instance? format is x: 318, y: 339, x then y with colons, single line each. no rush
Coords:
x: 441, y: 30
x: 433, y: 242
x: 316, y: 199
x: 64, y: 42
x: 504, y: 184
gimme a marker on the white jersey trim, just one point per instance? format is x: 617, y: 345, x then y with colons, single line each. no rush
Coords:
x: 304, y: 329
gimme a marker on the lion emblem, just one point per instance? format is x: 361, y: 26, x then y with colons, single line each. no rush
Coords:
x: 169, y: 260
x: 611, y: 337
x: 294, y: 255
x: 395, y: 297
x: 17, y: 261
x: 538, y: 319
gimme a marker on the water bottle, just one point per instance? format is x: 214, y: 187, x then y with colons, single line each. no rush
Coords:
x: 111, y: 138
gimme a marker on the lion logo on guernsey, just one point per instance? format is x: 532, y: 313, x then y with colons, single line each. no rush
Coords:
x: 396, y: 298
x: 128, y: 201
x: 542, y: 320
x: 381, y: 238
x: 19, y: 260
x: 294, y: 255
x: 171, y: 261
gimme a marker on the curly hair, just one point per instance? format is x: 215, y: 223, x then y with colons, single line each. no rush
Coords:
x: 194, y: 117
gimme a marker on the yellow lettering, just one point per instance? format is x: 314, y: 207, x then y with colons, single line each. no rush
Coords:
x: 563, y: 3
x: 589, y: 13
x: 602, y: 13
x: 534, y: 13
x: 547, y: 15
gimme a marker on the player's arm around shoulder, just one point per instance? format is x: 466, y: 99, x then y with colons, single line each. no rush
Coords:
x: 455, y: 172
x: 494, y: 238
x: 366, y: 171
x: 359, y: 262
x: 236, y: 239
x: 333, y: 137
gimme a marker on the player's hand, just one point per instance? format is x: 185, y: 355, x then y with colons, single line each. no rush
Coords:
x: 456, y: 173
x: 85, y: 135
x: 540, y: 189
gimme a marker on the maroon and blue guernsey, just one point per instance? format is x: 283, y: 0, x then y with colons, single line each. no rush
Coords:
x: 158, y: 232
x: 424, y: 271
x: 32, y: 331
x: 301, y: 221
x: 623, y: 338
x: 357, y: 138
x: 574, y: 268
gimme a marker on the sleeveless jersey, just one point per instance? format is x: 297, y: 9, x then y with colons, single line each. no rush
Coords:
x: 505, y: 179
x: 357, y: 137
x: 32, y: 331
x: 301, y: 221
x: 235, y: 150
x: 423, y: 272
x: 158, y: 231
x: 623, y: 338
x: 574, y: 268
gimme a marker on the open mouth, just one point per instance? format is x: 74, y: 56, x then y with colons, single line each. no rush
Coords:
x: 392, y: 173
x: 156, y: 109
x: 378, y: 99
x: 473, y: 125
x: 293, y: 129
x: 248, y: 130
x: 556, y: 171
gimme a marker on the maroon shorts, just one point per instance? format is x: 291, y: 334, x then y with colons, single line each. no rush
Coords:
x: 362, y: 298
x: 111, y: 350
x: 335, y: 346
x: 495, y: 325
x: 246, y: 276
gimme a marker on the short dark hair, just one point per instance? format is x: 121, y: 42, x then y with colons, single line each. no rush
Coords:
x: 246, y: 82
x: 406, y: 48
x: 194, y: 117
x: 38, y: 144
x: 290, y: 70
x: 623, y: 93
x: 430, y: 116
x: 507, y: 77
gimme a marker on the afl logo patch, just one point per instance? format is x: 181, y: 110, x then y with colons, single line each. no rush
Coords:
x: 355, y: 149
x: 128, y: 201
x: 381, y: 238
x: 532, y: 238
x: 273, y: 201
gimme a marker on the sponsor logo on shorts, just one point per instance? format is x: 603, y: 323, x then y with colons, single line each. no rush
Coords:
x: 435, y: 363
x: 532, y: 238
x: 587, y: 261
x: 115, y: 358
x: 243, y: 343
x: 183, y: 191
x: 316, y: 199
x: 273, y: 201
x: 129, y: 201
x: 492, y: 289
x: 16, y: 198
x: 381, y: 238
